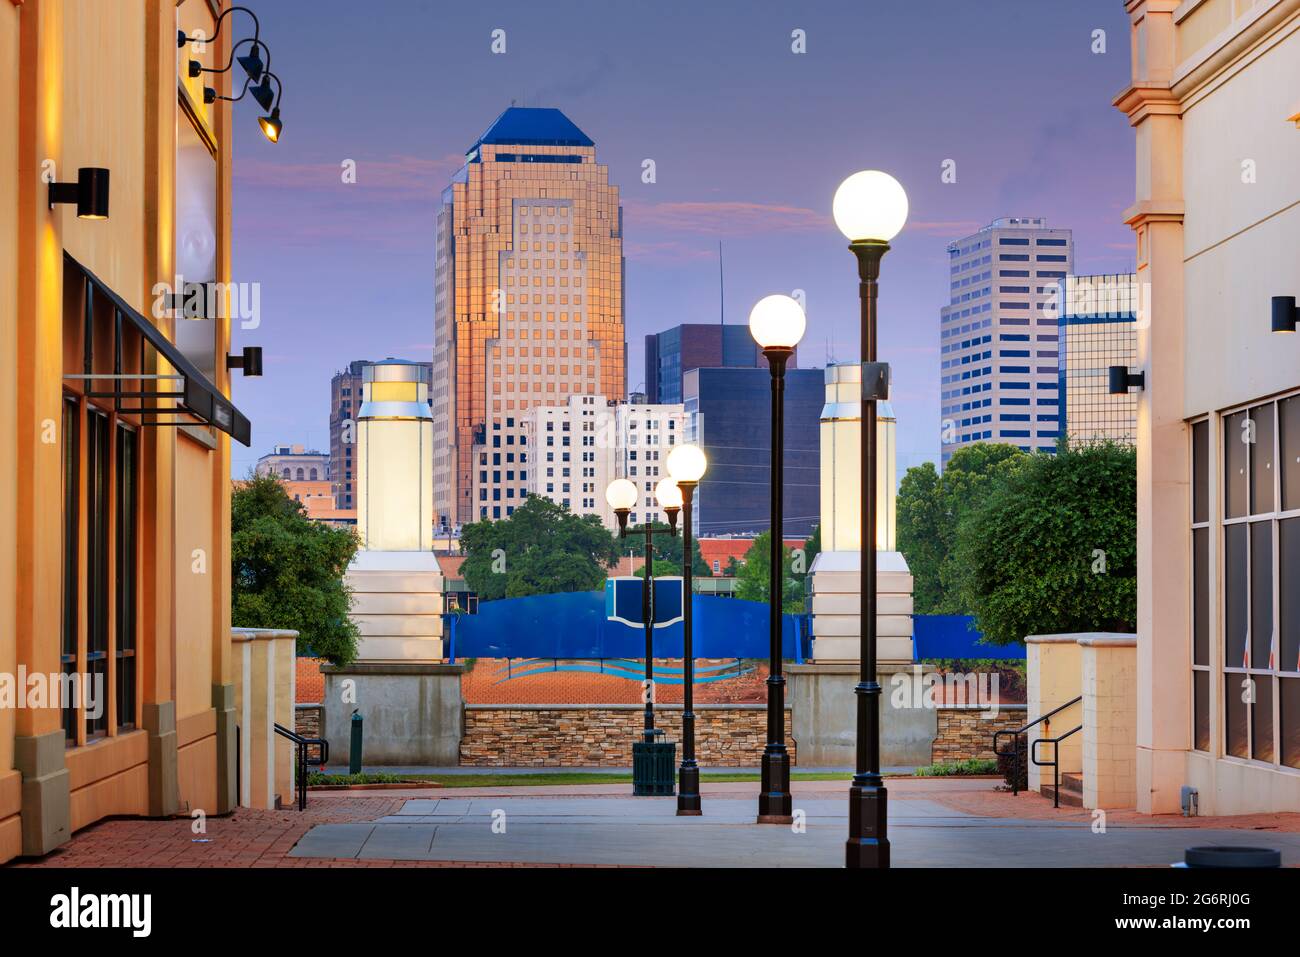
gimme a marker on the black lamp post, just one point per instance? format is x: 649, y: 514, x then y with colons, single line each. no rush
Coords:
x: 670, y: 500
x: 686, y: 465
x: 777, y: 324
x: 870, y: 208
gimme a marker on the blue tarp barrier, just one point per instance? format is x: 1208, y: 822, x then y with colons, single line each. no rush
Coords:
x: 953, y: 636
x: 573, y: 625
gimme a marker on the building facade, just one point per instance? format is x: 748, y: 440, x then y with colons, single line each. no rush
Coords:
x: 669, y: 355
x: 1097, y: 328
x: 998, y: 336
x: 345, y: 400
x: 115, y: 565
x: 528, y: 302
x: 294, y: 463
x: 1216, y: 219
x: 729, y: 416
x: 579, y: 448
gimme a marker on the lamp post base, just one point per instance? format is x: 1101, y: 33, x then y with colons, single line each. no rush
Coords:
x: 688, y: 792
x: 774, y: 801
x: 868, y: 845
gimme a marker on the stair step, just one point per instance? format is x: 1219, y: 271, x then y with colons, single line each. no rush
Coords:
x: 1070, y: 797
x: 1072, y: 781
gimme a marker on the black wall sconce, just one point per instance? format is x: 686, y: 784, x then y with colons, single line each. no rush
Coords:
x: 89, y: 193
x: 1285, y: 314
x: 259, y: 74
x: 1121, y: 380
x: 250, y: 360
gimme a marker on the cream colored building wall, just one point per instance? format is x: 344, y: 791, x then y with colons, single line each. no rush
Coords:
x: 10, y: 786
x: 1054, y: 676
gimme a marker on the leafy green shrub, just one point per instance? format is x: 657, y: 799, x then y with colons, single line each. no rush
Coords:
x: 971, y: 766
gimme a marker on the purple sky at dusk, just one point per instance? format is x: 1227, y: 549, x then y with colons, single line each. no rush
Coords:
x: 749, y: 141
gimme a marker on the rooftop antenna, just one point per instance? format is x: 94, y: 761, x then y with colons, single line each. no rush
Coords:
x: 722, y: 293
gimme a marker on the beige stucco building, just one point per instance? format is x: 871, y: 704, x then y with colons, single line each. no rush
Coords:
x: 1213, y: 103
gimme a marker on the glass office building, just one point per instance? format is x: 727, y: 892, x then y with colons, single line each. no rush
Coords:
x: 1098, y: 328
x: 670, y: 355
x: 729, y: 415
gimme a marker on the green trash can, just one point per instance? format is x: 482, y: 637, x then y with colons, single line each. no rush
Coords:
x: 654, y: 767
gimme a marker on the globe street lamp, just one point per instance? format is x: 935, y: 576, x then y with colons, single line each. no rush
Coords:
x: 777, y: 324
x: 870, y: 209
x: 686, y: 465
x: 621, y: 494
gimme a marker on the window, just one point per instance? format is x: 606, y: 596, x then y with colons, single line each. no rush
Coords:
x: 1260, y: 583
x: 71, y: 560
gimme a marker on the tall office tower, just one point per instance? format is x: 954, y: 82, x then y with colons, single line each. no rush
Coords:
x: 577, y: 449
x: 528, y: 303
x: 729, y: 415
x: 1098, y: 329
x: 345, y: 400
x: 669, y: 355
x: 998, y: 336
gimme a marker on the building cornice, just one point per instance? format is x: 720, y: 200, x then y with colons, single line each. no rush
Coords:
x: 1147, y: 98
x: 1239, y: 43
x: 1147, y: 211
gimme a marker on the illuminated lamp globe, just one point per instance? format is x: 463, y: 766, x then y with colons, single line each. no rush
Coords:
x: 667, y: 494
x: 621, y: 494
x: 687, y: 463
x: 870, y: 205
x: 777, y: 322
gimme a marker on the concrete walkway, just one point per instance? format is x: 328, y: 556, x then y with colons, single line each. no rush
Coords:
x: 645, y: 831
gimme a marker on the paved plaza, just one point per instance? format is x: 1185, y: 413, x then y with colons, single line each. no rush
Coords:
x: 934, y: 823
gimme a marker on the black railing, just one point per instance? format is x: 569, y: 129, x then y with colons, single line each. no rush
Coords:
x: 1016, y: 750
x: 305, y: 760
x: 1055, y: 763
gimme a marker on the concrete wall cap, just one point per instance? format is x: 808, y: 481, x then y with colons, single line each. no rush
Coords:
x: 1109, y: 641
x: 1069, y: 639
x: 394, y: 668
x: 261, y: 634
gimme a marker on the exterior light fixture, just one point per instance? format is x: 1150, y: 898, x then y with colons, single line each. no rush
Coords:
x: 777, y: 324
x: 271, y: 125
x: 89, y: 193
x: 182, y: 39
x: 686, y: 465
x: 621, y: 496
x: 870, y: 205
x: 250, y: 360
x: 870, y: 209
x: 1285, y: 314
x: 668, y: 495
x: 1121, y: 380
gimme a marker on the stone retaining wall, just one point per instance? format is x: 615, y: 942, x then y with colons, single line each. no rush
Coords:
x: 308, y: 720
x: 602, y: 735
x: 966, y: 733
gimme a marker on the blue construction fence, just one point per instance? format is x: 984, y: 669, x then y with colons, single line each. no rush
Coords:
x: 573, y: 625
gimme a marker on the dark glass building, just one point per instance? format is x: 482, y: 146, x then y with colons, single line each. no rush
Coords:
x: 670, y: 355
x: 729, y: 416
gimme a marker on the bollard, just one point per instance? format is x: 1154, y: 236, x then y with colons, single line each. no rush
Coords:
x: 354, y: 757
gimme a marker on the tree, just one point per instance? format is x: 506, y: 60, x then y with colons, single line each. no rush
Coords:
x: 661, y: 569
x: 752, y: 579
x: 667, y: 548
x: 1052, y: 546
x: 542, y: 548
x: 287, y: 571
x: 929, y: 509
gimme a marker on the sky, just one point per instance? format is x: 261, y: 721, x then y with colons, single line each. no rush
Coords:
x: 749, y: 141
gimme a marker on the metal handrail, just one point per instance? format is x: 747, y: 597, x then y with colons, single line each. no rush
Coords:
x: 1054, y: 764
x: 1015, y: 752
x: 304, y: 759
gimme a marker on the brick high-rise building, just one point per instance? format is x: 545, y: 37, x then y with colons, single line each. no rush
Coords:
x: 528, y: 303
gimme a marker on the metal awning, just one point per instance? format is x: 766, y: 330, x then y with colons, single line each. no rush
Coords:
x: 196, y: 402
